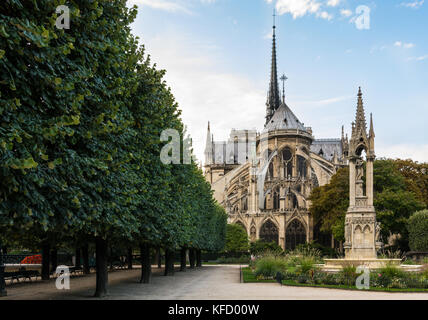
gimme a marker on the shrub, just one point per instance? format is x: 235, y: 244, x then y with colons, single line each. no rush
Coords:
x: 260, y: 247
x: 269, y: 265
x: 418, y: 231
x: 392, y: 271
x: 306, y: 265
x: 236, y: 239
x: 244, y: 259
x: 391, y: 254
x: 303, y: 278
x: 349, y: 274
x: 324, y: 251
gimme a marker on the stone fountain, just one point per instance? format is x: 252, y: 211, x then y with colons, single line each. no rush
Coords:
x: 362, y: 231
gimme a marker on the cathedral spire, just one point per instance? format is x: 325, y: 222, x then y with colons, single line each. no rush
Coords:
x: 273, y: 101
x: 209, y: 147
x: 360, y: 119
x: 371, y: 133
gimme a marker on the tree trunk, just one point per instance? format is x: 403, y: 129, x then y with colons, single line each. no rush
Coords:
x: 198, y: 258
x: 183, y: 259
x: 129, y: 258
x: 78, y: 258
x: 110, y: 258
x: 159, y: 256
x: 146, y: 263
x: 54, y: 259
x: 192, y: 258
x: 101, y: 265
x: 45, y: 261
x: 85, y: 254
x: 3, y: 292
x: 169, y: 262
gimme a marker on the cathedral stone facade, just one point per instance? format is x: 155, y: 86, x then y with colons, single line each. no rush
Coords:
x: 263, y: 179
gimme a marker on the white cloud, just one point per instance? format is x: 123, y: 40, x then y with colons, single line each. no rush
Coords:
x: 325, y: 15
x: 203, y: 91
x: 404, y: 151
x: 403, y: 45
x: 297, y: 8
x: 324, y: 102
x: 333, y: 3
x: 414, y: 5
x: 346, y: 12
x: 421, y: 58
x: 301, y: 8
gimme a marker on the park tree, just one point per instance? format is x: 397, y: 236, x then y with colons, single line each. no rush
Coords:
x: 82, y: 111
x: 394, y: 201
x: 418, y: 231
x: 236, y: 239
x: 330, y: 202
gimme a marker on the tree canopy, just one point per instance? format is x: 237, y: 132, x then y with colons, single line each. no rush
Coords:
x: 399, y: 188
x: 418, y: 231
x: 82, y: 111
x: 236, y: 239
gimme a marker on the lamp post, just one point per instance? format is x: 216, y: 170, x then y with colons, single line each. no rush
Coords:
x: 3, y: 291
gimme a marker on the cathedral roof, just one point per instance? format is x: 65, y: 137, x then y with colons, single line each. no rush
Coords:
x: 327, y: 147
x: 284, y: 119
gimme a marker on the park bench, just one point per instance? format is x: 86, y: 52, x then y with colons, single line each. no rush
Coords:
x: 21, y: 274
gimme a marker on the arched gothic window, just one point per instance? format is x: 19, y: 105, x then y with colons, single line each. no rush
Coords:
x: 245, y: 203
x: 287, y: 158
x: 295, y: 234
x: 276, y: 199
x: 253, y: 234
x: 293, y: 201
x: 271, y: 170
x: 269, y: 232
x: 301, y: 166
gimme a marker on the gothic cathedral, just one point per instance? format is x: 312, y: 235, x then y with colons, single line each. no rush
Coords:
x: 264, y: 179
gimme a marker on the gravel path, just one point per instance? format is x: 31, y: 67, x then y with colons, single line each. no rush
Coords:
x: 209, y: 282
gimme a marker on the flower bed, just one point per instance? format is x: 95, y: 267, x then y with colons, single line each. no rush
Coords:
x: 300, y: 268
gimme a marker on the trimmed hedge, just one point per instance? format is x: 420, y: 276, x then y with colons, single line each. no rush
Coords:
x: 418, y: 231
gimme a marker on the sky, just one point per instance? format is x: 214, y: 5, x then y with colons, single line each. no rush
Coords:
x: 217, y: 55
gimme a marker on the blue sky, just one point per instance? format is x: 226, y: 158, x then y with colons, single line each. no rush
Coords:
x: 217, y: 55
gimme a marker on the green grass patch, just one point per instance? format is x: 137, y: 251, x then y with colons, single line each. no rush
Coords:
x: 249, y: 277
x: 292, y: 283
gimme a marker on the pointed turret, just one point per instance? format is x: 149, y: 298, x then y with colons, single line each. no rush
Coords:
x: 209, y: 147
x: 371, y: 133
x: 360, y: 119
x: 273, y: 100
x: 360, y: 139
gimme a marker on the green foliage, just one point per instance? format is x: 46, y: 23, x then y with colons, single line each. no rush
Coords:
x: 259, y: 246
x: 269, y: 265
x: 418, y: 231
x: 399, y: 188
x: 316, y: 247
x: 244, y: 259
x: 236, y: 239
x: 330, y: 202
x: 82, y: 111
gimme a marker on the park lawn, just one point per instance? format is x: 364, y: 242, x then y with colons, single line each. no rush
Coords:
x: 249, y: 277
